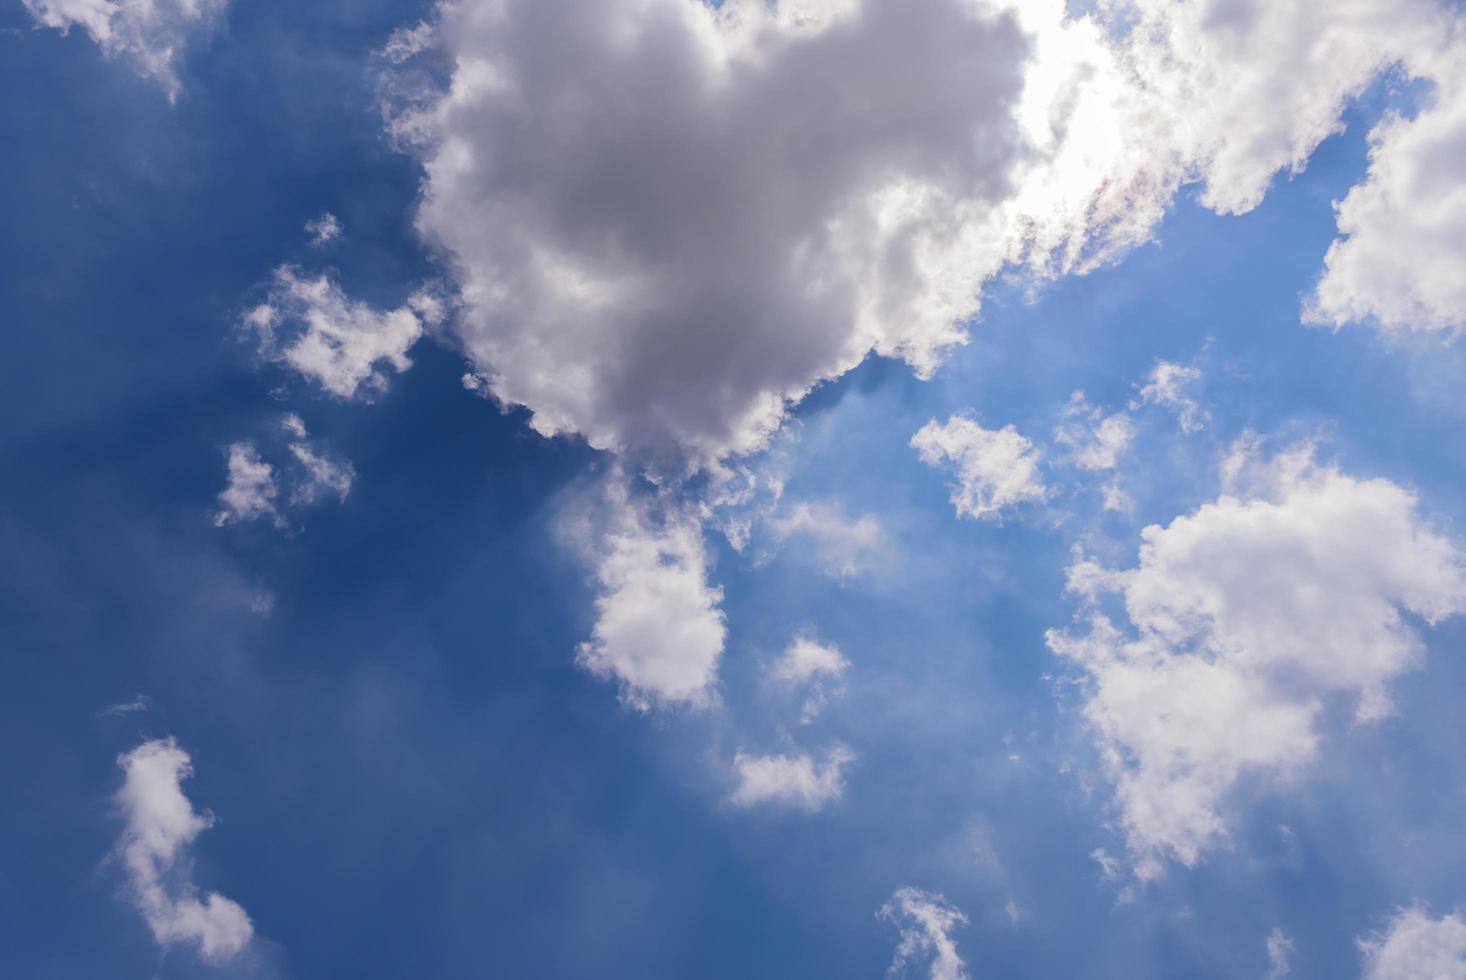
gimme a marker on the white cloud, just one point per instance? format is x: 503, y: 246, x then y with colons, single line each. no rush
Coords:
x: 1247, y: 615
x: 1279, y: 955
x: 1096, y: 440
x: 1417, y: 947
x: 341, y: 344
x: 996, y: 468
x: 842, y: 547
x: 1399, y: 262
x: 926, y: 922
x: 251, y: 491
x: 806, y: 659
x: 1166, y: 386
x: 1109, y: 865
x: 323, y: 230
x: 140, y: 703
x: 816, y: 666
x: 148, y: 33
x: 1116, y: 498
x: 161, y: 825
x: 257, y: 489
x: 294, y: 425
x: 791, y: 780
x: 323, y: 475
x: 658, y: 631
x: 669, y: 220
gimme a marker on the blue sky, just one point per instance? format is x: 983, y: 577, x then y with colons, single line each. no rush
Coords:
x: 518, y: 694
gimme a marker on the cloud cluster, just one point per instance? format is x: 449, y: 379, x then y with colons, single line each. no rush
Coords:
x: 148, y: 33
x: 1246, y: 617
x: 995, y: 468
x: 258, y: 490
x: 161, y: 825
x: 670, y: 220
x: 1416, y: 946
x: 926, y: 921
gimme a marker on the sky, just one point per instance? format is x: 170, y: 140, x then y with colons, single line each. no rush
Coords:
x: 946, y: 489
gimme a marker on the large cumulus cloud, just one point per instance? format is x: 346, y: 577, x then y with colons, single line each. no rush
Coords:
x: 669, y: 220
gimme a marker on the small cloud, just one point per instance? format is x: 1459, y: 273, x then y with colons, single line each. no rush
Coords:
x: 344, y: 345
x: 1166, y: 386
x: 996, y: 468
x: 1279, y: 955
x: 816, y: 666
x: 1096, y: 440
x: 160, y: 827
x: 140, y: 703
x: 791, y: 780
x: 926, y: 922
x: 251, y: 491
x: 258, y: 489
x: 323, y: 230
x: 659, y: 630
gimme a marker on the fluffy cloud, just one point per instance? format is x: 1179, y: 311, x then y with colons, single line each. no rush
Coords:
x: 996, y: 468
x: 1416, y: 947
x: 1247, y: 616
x: 254, y: 488
x: 341, y: 344
x: 926, y: 921
x: 658, y: 631
x: 148, y: 33
x: 161, y: 825
x: 806, y: 659
x: 669, y: 219
x: 251, y: 490
x: 1398, y: 264
x: 817, y: 667
x: 791, y: 780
